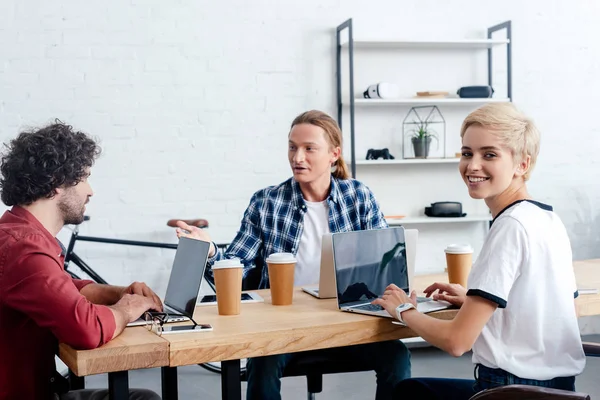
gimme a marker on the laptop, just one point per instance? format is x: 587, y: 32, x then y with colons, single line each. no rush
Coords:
x: 184, y: 281
x: 366, y: 262
x: 411, y: 237
x: 326, y: 288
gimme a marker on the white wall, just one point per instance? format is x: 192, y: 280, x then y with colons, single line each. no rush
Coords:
x: 192, y: 101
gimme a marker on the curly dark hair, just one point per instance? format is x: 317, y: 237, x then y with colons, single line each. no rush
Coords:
x: 36, y: 163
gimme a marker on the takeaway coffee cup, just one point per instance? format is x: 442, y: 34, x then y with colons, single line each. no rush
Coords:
x: 281, y: 277
x: 459, y: 258
x: 228, y: 281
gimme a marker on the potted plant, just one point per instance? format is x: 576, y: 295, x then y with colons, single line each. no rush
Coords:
x: 417, y: 129
x: 421, y: 138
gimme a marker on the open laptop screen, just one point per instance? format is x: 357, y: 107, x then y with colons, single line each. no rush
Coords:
x: 186, y: 275
x: 366, y: 262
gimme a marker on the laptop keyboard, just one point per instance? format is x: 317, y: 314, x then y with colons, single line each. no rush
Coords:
x: 368, y: 307
x: 374, y: 307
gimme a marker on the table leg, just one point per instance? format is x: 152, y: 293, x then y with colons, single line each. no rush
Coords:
x: 76, y: 382
x: 168, y: 376
x: 118, y: 385
x: 231, y: 385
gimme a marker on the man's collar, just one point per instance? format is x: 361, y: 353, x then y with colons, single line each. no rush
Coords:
x: 29, y: 217
x: 334, y: 192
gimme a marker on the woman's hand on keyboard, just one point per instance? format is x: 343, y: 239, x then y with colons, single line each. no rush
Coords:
x: 451, y: 292
x: 393, y: 297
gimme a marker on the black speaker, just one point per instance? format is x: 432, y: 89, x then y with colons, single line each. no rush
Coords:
x: 474, y: 92
x: 445, y: 209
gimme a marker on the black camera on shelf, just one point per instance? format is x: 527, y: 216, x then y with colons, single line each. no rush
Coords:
x: 374, y: 154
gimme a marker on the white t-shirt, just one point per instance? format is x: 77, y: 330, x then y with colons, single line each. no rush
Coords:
x: 526, y: 267
x: 308, y: 257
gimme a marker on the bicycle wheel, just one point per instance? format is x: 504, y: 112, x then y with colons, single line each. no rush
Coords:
x: 216, y: 366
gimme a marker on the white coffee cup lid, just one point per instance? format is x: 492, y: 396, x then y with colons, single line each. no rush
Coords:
x: 228, y: 263
x: 281, y: 258
x: 459, y: 249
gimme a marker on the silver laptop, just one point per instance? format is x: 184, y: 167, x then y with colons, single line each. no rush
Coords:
x: 326, y: 288
x: 411, y: 237
x: 366, y: 262
x: 184, y: 282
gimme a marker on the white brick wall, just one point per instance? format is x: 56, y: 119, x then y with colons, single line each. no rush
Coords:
x: 192, y: 100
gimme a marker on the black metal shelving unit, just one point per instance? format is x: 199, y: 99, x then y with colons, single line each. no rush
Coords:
x: 347, y: 25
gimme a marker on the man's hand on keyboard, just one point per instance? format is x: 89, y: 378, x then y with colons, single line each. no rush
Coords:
x: 142, y: 289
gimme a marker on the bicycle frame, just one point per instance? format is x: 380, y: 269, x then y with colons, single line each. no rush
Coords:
x: 72, y: 256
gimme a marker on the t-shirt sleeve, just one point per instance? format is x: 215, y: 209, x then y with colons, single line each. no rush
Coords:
x: 574, y: 284
x: 37, y: 286
x: 572, y: 281
x: 499, y: 263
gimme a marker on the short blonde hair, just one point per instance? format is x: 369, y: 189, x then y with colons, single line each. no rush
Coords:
x: 514, y: 128
x: 333, y: 135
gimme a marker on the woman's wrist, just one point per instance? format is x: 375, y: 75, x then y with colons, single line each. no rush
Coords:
x: 403, y: 308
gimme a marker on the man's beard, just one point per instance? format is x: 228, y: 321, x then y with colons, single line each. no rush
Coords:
x: 72, y: 213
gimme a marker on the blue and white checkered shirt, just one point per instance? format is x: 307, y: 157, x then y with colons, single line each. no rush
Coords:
x: 273, y: 221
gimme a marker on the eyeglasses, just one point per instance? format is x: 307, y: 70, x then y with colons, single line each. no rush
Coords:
x: 155, y: 321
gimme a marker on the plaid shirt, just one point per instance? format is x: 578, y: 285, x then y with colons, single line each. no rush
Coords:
x: 273, y: 221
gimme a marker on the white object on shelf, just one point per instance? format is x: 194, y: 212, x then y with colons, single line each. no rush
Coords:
x: 437, y: 220
x: 426, y: 100
x: 453, y: 160
x: 429, y: 44
x: 382, y: 90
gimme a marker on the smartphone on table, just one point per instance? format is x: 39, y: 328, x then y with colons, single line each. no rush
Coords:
x: 172, y: 329
x: 211, y: 299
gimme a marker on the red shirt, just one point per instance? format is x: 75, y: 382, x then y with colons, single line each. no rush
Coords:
x: 40, y: 305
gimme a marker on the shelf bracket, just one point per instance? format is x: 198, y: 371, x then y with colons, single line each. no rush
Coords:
x: 346, y: 25
x: 505, y: 25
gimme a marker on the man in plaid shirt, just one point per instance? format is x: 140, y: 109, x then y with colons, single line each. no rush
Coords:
x: 292, y: 217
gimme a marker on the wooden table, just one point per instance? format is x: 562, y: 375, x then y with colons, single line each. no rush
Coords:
x: 262, y: 329
x: 135, y: 348
x: 587, y: 274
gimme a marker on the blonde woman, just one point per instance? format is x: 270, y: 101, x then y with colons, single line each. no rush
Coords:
x: 517, y: 313
x: 292, y: 217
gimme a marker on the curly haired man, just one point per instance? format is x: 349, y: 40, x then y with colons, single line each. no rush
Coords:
x: 44, y: 177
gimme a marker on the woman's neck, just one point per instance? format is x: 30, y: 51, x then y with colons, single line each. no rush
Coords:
x: 498, y: 203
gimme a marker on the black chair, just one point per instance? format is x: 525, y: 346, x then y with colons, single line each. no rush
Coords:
x: 535, y: 392
x: 311, y: 364
x: 526, y: 392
